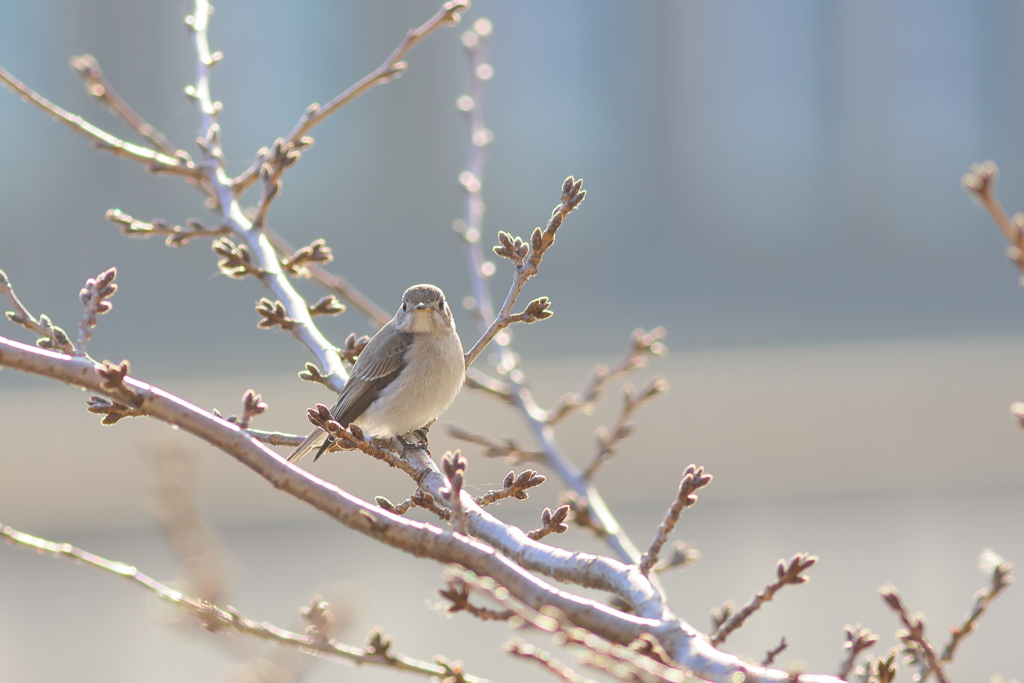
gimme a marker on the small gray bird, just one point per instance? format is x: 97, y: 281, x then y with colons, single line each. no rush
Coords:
x: 407, y: 375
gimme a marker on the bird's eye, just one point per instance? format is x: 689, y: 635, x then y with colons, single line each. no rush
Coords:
x: 440, y: 305
x: 405, y: 307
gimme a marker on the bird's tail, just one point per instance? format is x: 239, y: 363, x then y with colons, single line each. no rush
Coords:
x: 315, y: 438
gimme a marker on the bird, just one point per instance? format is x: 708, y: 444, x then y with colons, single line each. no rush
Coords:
x: 408, y: 374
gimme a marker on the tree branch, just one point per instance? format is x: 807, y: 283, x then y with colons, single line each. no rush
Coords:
x: 393, y: 66
x: 216, y: 618
x: 155, y: 162
x: 681, y: 642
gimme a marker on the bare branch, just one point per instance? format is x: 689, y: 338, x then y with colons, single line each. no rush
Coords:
x: 275, y: 438
x: 97, y: 86
x: 51, y: 336
x: 493, y: 448
x: 644, y: 344
x: 512, y: 487
x: 858, y: 639
x: 353, y: 439
x: 652, y: 615
x: 1000, y: 580
x: 527, y: 260
x: 551, y: 522
x: 216, y: 618
x: 785, y: 575
x: 256, y: 255
x: 693, y: 480
x: 913, y: 634
x: 457, y: 594
x: 475, y: 379
x: 155, y: 162
x: 683, y: 555
x: 770, y: 656
x: 177, y: 236
x: 393, y: 66
x: 333, y: 283
x: 608, y: 440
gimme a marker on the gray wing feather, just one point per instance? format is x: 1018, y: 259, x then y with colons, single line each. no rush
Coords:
x: 377, y: 366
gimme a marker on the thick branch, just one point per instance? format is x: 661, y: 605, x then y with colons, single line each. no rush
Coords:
x: 682, y: 643
x: 263, y: 255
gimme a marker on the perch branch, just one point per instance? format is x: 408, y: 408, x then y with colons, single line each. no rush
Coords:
x: 652, y: 616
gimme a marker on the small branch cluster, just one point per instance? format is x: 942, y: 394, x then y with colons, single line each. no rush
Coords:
x: 454, y: 466
x: 644, y: 344
x: 112, y: 411
x: 693, y: 480
x: 769, y: 657
x: 999, y: 581
x: 328, y: 305
x: 176, y: 235
x: 858, y: 639
x: 94, y: 297
x: 273, y: 314
x: 236, y: 260
x: 457, y: 594
x: 317, y: 252
x: 980, y: 185
x: 608, y: 440
x: 912, y: 635
x: 312, y: 374
x: 273, y: 163
x: 352, y: 347
x: 786, y: 574
x: 512, y: 487
x: 112, y: 381
x: 252, y: 405
x: 551, y: 522
x: 526, y: 259
x: 682, y: 555
x: 879, y: 669
x: 51, y: 337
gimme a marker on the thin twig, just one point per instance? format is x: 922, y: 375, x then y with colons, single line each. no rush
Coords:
x: 770, y: 656
x: 333, y: 283
x: 512, y: 487
x: 176, y: 235
x: 857, y: 640
x: 913, y: 634
x: 98, y: 86
x: 216, y: 618
x: 785, y: 575
x: 155, y: 162
x: 457, y: 593
x: 51, y: 336
x: 608, y: 440
x: 494, y: 448
x: 644, y: 344
x: 527, y: 258
x: 1000, y: 580
x: 393, y: 66
x: 551, y: 522
x: 693, y: 480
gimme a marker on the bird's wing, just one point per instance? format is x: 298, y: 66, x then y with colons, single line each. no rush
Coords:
x: 371, y: 374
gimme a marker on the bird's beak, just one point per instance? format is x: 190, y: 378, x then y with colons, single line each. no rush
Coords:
x: 421, y: 307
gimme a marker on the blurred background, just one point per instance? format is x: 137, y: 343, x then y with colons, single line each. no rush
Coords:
x: 776, y: 184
